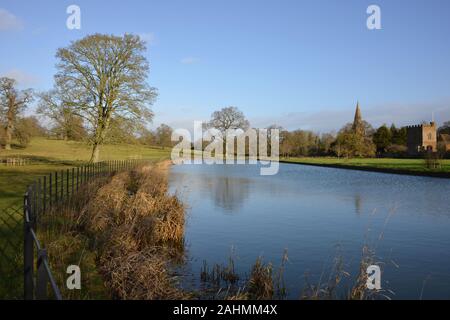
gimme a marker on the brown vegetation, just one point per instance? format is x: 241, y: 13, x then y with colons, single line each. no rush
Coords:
x: 223, y: 282
x: 129, y: 228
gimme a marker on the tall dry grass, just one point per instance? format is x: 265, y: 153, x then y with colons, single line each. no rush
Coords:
x: 222, y: 281
x: 265, y: 282
x: 131, y: 229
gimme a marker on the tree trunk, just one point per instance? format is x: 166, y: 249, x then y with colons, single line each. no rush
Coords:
x: 9, y: 124
x: 8, y: 137
x: 95, y: 153
x: 100, y: 135
x: 8, y: 133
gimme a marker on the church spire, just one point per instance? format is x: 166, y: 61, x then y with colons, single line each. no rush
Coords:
x: 358, y: 117
x: 358, y: 125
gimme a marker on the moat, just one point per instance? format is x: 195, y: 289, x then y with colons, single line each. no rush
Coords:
x: 316, y: 214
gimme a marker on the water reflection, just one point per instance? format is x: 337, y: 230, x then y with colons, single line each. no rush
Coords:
x: 358, y: 204
x: 308, y: 210
x: 229, y: 193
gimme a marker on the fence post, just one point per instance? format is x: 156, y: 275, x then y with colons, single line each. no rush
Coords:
x: 67, y: 184
x: 56, y: 187
x: 42, y: 276
x: 38, y: 199
x: 62, y: 185
x: 34, y: 207
x: 50, y: 189
x: 44, y: 197
x: 73, y: 180
x: 28, y: 248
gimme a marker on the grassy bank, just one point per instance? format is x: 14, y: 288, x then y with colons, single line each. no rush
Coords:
x: 50, y: 150
x: 413, y: 166
x: 50, y: 155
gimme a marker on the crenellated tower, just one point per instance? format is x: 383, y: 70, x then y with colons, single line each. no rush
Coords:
x: 422, y: 138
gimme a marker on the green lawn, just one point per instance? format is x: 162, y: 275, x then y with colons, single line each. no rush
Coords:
x: 384, y: 163
x: 72, y: 151
x: 49, y: 155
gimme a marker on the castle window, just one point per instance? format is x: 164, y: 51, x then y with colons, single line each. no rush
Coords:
x: 430, y: 136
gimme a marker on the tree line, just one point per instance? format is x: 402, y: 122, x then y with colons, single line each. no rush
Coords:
x: 385, y: 141
x: 349, y: 141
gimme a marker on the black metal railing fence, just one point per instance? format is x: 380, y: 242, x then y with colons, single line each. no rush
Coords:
x: 20, y: 248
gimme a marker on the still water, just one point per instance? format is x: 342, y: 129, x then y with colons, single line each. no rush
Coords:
x: 318, y: 214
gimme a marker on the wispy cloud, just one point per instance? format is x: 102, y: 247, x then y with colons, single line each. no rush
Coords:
x: 189, y: 60
x: 9, y: 22
x: 148, y: 37
x: 22, y: 78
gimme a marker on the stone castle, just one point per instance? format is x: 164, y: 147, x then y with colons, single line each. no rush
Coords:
x: 422, y: 138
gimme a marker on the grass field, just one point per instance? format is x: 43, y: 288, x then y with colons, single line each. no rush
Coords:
x: 50, y: 155
x: 381, y: 163
x: 46, y: 156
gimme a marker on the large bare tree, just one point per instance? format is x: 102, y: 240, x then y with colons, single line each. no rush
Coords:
x: 103, y: 77
x: 12, y: 103
x: 230, y: 118
x: 225, y: 120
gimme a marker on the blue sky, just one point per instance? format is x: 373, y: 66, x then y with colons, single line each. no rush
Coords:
x: 300, y: 64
